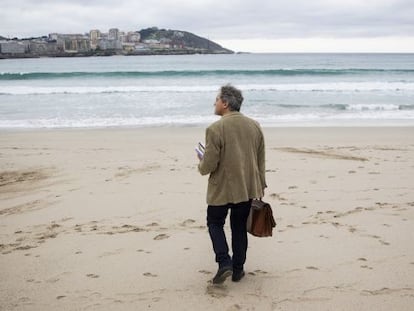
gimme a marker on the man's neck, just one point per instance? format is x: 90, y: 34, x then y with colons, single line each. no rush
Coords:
x: 226, y: 112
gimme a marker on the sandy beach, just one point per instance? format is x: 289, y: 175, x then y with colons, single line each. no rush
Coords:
x: 114, y: 219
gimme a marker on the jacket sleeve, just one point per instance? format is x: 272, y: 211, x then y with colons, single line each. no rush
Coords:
x: 211, y: 158
x: 261, y: 160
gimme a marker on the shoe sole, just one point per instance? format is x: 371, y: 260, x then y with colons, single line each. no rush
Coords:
x: 223, y: 277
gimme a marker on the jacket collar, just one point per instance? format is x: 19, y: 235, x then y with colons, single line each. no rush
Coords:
x: 232, y: 113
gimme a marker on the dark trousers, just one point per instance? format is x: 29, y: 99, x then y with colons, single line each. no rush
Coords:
x: 216, y: 217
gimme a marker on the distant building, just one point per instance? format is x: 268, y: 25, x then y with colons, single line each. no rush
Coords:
x: 53, y: 36
x: 71, y: 43
x: 106, y: 44
x: 13, y: 47
x: 141, y: 47
x: 113, y: 34
x: 38, y: 47
x: 128, y: 46
x: 178, y: 34
x: 94, y: 36
x: 133, y: 36
x: 111, y: 41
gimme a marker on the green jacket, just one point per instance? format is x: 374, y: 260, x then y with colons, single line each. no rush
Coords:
x: 235, y: 159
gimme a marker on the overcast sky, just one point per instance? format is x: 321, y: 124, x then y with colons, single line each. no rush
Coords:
x: 250, y: 25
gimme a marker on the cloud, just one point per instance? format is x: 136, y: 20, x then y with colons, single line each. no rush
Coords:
x: 319, y: 18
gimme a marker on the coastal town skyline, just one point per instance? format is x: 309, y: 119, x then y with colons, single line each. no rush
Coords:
x: 149, y: 41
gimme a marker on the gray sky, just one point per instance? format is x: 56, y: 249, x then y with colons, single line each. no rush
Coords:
x: 258, y: 26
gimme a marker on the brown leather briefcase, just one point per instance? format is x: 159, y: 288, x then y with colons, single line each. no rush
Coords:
x: 260, y: 222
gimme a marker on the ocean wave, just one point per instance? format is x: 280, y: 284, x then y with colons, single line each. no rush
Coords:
x: 97, y: 122
x: 350, y: 107
x: 373, y: 107
x: 298, y: 118
x: 406, y: 107
x: 197, y: 73
x: 328, y: 106
x: 295, y: 87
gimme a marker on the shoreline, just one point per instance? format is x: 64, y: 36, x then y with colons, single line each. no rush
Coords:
x: 108, y: 54
x: 203, y: 126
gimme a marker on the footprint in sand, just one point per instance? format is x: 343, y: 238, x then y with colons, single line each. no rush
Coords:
x: 93, y: 276
x: 161, y: 237
x: 149, y: 274
x: 258, y: 272
x: 217, y: 290
x: 205, y: 272
x: 234, y: 308
x: 25, y: 247
x: 187, y: 222
x: 52, y: 280
x: 143, y: 251
x: 312, y: 268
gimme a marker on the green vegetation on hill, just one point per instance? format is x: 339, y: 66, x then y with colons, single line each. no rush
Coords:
x: 183, y: 39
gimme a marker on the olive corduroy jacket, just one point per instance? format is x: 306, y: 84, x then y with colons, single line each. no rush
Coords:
x: 235, y: 159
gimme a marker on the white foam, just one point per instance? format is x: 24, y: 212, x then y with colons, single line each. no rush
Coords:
x: 398, y: 117
x: 373, y: 107
x: 107, y: 122
x: 298, y: 87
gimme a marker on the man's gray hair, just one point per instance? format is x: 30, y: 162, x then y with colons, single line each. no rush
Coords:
x: 232, y: 96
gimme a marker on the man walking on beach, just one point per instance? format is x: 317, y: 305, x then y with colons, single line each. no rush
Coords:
x: 235, y: 159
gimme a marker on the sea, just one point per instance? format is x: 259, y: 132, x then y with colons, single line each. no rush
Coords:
x: 170, y: 91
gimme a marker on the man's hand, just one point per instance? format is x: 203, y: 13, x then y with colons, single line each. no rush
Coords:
x: 199, y: 155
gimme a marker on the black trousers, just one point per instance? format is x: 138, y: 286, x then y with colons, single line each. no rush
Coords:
x: 216, y: 218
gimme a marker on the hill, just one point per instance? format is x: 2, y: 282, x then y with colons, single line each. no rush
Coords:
x: 182, y: 39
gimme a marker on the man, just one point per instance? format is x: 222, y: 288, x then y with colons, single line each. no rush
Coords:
x: 235, y: 159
